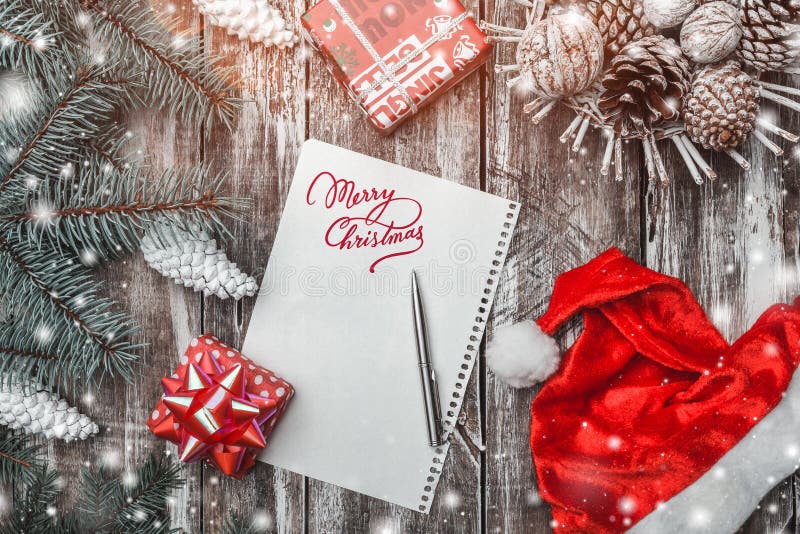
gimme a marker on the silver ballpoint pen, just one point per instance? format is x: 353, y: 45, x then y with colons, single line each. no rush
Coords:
x: 430, y: 389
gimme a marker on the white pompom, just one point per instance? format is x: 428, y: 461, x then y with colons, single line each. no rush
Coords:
x: 522, y: 355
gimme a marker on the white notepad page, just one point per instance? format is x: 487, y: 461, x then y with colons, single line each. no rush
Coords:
x: 343, y: 335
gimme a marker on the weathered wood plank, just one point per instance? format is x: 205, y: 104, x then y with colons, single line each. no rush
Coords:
x: 260, y: 154
x: 569, y: 214
x: 443, y: 140
x: 725, y: 240
x: 791, y: 241
x: 778, y: 510
x: 122, y: 410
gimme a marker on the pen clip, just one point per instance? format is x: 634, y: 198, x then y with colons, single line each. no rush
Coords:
x: 437, y: 405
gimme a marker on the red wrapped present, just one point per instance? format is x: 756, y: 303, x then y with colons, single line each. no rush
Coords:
x: 393, y: 57
x: 219, y: 406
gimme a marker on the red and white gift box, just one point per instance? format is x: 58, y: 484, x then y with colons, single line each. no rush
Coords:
x: 393, y: 57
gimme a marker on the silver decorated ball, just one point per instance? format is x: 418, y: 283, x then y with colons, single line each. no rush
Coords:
x: 667, y: 13
x: 560, y: 55
x: 711, y: 32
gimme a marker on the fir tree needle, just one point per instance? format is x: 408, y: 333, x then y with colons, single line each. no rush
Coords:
x: 778, y: 151
x: 609, y: 152
x: 738, y: 158
x: 570, y: 129
x: 701, y: 162
x: 576, y: 146
x: 687, y: 159
x: 767, y: 125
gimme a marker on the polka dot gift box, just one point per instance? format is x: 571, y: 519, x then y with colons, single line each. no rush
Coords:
x: 219, y: 406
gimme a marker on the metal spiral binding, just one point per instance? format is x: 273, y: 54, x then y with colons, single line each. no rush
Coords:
x: 456, y: 397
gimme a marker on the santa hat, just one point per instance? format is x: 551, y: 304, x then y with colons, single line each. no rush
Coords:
x: 646, y: 409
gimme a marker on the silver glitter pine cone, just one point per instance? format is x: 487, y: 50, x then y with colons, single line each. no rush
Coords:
x: 619, y: 22
x: 644, y: 86
x: 770, y: 34
x: 722, y: 107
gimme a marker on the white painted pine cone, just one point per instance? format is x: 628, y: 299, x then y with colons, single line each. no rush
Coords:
x: 193, y: 259
x: 30, y: 407
x: 254, y: 20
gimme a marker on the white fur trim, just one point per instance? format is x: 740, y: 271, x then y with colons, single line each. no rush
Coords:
x: 725, y: 496
x: 522, y: 355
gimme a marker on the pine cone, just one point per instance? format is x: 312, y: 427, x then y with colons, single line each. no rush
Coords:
x: 31, y: 407
x: 193, y: 259
x: 770, y: 38
x: 619, y: 22
x: 645, y: 85
x: 722, y: 106
x: 254, y: 20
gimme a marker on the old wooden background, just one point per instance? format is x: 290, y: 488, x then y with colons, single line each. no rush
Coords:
x: 735, y: 242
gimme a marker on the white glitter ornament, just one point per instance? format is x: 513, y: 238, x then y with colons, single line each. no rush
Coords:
x: 711, y: 32
x: 193, y: 259
x: 668, y: 13
x: 253, y: 20
x: 560, y: 55
x: 31, y: 407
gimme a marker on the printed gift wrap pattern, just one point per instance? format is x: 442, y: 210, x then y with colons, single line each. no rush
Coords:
x: 392, y: 57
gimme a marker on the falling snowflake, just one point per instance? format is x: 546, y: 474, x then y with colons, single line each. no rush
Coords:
x: 699, y: 518
x: 262, y: 521
x: 627, y: 505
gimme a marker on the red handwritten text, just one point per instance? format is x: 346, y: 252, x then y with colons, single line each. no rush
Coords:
x: 375, y: 218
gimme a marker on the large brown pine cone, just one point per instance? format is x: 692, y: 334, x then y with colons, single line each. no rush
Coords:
x: 644, y: 85
x: 770, y: 39
x: 619, y: 22
x: 722, y: 106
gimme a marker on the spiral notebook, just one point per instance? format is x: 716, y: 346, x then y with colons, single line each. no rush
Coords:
x: 334, y: 317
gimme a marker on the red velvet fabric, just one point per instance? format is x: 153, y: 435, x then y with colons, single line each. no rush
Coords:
x: 650, y: 396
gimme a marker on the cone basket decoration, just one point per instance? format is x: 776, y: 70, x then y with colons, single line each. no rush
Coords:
x: 681, y: 71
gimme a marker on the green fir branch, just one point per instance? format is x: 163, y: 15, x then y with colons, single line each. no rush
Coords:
x: 59, y: 298
x: 45, y: 354
x: 106, y: 213
x: 28, y: 40
x: 50, y: 139
x: 131, y: 503
x: 236, y: 524
x: 136, y: 504
x: 32, y: 513
x: 111, y: 150
x: 19, y: 459
x: 180, y: 78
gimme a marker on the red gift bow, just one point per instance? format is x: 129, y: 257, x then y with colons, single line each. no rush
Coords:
x: 209, y: 412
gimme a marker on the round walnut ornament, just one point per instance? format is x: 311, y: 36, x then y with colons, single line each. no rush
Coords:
x: 721, y: 109
x: 711, y: 33
x: 668, y: 13
x: 560, y: 55
x: 652, y: 89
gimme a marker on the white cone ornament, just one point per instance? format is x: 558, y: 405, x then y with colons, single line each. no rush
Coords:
x: 250, y: 20
x: 522, y: 355
x: 194, y: 260
x: 32, y: 408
